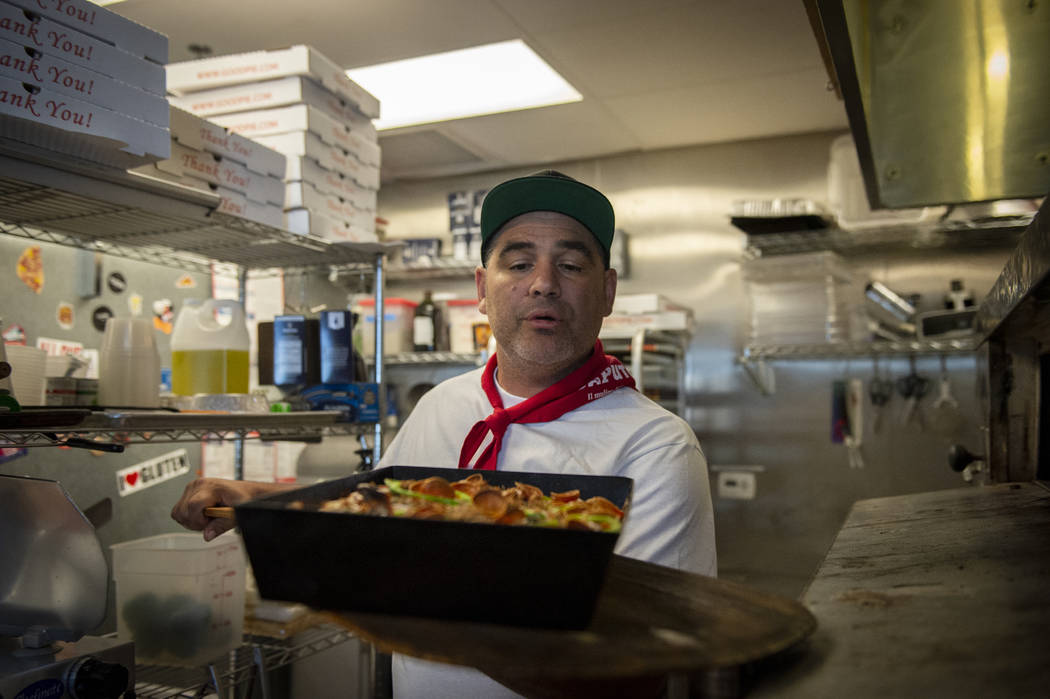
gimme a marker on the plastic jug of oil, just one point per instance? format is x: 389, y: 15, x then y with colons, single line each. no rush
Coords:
x: 208, y: 356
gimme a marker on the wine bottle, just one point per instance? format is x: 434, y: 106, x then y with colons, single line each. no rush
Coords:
x: 425, y: 324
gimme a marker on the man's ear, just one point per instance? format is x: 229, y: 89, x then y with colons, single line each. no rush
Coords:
x: 610, y: 290
x: 479, y: 282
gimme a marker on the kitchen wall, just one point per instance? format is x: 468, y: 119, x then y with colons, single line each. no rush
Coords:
x: 89, y: 477
x: 675, y: 205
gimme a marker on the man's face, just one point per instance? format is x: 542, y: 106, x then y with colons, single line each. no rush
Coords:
x: 545, y: 290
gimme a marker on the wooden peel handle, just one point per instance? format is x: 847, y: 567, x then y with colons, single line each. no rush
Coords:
x: 219, y: 512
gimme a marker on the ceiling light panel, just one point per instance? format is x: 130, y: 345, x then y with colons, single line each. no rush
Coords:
x: 502, y: 77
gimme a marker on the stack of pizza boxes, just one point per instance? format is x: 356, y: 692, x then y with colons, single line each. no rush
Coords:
x: 247, y: 176
x: 79, y: 80
x: 303, y: 105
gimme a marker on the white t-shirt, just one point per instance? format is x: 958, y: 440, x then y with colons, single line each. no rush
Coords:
x: 670, y: 521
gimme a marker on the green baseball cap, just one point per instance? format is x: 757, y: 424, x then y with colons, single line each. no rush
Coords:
x: 548, y: 190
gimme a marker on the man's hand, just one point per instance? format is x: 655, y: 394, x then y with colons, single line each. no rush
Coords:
x: 216, y: 492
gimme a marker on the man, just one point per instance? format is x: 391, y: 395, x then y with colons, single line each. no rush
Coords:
x: 549, y: 400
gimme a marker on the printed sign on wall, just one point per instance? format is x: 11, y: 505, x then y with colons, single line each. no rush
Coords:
x: 149, y: 473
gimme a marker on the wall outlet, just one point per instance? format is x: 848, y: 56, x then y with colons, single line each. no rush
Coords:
x: 736, y: 485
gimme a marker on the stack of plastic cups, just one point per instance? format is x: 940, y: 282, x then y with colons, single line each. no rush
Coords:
x: 28, y: 365
x: 129, y: 366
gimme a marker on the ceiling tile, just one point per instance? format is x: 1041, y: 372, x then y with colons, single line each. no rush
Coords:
x: 734, y: 110
x: 562, y: 132
x: 683, y: 46
x: 417, y: 150
x: 559, y: 15
x: 352, y: 34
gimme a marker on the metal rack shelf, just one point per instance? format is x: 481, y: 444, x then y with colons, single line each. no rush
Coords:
x: 257, y: 656
x: 148, y: 427
x: 145, y: 219
x: 1000, y: 232
x: 432, y: 358
x: 848, y: 350
x: 755, y: 359
x: 439, y: 268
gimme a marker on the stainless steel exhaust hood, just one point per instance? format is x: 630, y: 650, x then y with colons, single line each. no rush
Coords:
x: 948, y: 100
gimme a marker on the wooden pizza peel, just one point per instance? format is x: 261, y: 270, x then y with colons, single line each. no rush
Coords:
x: 650, y: 621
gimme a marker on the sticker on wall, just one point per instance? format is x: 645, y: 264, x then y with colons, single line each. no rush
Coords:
x: 31, y: 268
x: 64, y: 315
x: 99, y: 316
x: 9, y: 453
x: 186, y: 281
x: 14, y: 334
x: 135, y: 305
x: 163, y: 315
x: 152, y: 472
x: 116, y: 283
x: 59, y: 348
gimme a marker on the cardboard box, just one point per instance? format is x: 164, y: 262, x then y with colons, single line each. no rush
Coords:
x: 303, y: 194
x: 331, y: 182
x: 308, y: 222
x: 201, y: 134
x: 300, y: 117
x: 300, y: 146
x: 80, y: 49
x: 220, y: 71
x: 237, y: 204
x: 44, y: 70
x: 156, y: 173
x: 96, y: 21
x: 358, y: 402
x: 337, y: 347
x: 295, y: 351
x: 64, y: 124
x: 224, y: 173
x: 230, y: 201
x: 269, y: 94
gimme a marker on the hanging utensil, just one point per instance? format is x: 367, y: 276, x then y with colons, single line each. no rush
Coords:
x: 854, y: 422
x: 913, y: 387
x: 880, y: 390
x: 945, y: 415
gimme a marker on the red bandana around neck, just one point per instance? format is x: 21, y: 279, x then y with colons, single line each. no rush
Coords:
x: 601, y: 372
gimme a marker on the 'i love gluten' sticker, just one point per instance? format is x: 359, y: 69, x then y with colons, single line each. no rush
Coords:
x: 149, y: 473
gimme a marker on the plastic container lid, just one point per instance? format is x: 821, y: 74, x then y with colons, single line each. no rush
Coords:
x: 389, y: 302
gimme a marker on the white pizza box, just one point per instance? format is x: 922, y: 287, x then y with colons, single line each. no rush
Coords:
x: 306, y: 221
x: 220, y: 71
x: 303, y: 195
x: 201, y: 134
x: 103, y: 24
x: 153, y: 172
x: 224, y: 173
x: 299, y: 117
x: 302, y: 168
x: 44, y: 70
x: 300, y: 146
x: 268, y: 94
x: 230, y: 202
x: 237, y: 204
x: 60, y: 41
x: 49, y: 119
x: 330, y: 182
